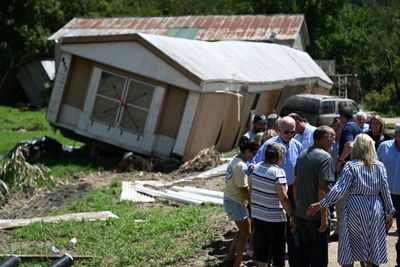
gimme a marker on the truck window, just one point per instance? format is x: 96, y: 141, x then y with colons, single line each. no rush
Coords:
x: 328, y: 107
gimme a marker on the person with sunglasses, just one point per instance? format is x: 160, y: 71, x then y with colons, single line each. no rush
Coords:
x: 287, y: 126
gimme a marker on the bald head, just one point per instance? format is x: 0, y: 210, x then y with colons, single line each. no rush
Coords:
x: 286, y: 121
x: 287, y: 126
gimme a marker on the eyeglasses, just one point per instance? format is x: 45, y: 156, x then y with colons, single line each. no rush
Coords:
x: 289, y: 132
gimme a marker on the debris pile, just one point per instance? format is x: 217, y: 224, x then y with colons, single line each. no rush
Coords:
x: 206, y: 159
x: 131, y: 162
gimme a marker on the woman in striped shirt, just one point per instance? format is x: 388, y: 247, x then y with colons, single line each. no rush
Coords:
x: 368, y: 210
x: 270, y: 207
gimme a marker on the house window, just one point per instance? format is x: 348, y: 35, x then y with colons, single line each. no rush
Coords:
x: 138, y: 100
x: 122, y: 102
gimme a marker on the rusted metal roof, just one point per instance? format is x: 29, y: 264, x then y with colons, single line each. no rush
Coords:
x: 207, y: 28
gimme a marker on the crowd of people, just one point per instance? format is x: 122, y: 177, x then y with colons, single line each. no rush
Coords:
x: 289, y: 177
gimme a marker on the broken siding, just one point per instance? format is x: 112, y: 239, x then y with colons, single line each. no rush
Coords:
x: 58, y: 88
x: 267, y: 102
x: 33, y: 77
x: 231, y: 123
x: 186, y: 124
x: 78, y: 83
x: 208, y: 124
x: 172, y: 111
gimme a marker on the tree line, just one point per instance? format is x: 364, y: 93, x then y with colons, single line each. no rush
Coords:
x: 362, y: 34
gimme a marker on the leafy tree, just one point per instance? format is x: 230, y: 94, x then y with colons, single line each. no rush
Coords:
x: 25, y: 27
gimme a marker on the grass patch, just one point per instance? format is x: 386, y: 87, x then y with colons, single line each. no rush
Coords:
x: 17, y: 126
x: 142, y: 236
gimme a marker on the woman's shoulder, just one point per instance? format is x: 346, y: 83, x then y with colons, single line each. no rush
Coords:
x: 379, y: 164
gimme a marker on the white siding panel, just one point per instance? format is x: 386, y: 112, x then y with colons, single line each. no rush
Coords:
x: 58, y: 88
x: 132, y: 57
x: 163, y: 145
x: 112, y: 135
x: 186, y: 123
x: 70, y: 115
x: 152, y: 119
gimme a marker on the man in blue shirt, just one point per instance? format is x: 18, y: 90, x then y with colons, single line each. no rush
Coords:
x: 287, y: 131
x: 350, y: 129
x: 287, y: 126
x: 389, y: 153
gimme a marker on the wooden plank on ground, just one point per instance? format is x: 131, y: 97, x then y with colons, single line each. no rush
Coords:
x: 90, y: 216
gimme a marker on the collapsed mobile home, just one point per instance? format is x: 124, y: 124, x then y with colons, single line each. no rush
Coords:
x: 165, y: 96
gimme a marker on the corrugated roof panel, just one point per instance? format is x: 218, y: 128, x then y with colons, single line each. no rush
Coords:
x: 211, y: 28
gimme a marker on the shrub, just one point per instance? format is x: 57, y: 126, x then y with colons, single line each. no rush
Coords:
x: 17, y: 173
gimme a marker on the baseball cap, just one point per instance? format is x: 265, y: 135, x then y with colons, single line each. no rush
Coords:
x: 397, y: 127
x: 260, y: 118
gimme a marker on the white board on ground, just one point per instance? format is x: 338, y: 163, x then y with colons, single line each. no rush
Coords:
x: 200, y: 191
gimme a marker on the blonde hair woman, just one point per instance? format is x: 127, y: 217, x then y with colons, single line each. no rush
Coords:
x: 368, y: 210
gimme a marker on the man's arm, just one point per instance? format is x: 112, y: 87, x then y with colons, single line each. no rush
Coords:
x: 296, y: 188
x: 322, y: 192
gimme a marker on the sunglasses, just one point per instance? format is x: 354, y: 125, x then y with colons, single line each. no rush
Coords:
x: 289, y: 132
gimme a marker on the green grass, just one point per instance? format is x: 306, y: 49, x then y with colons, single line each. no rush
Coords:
x: 17, y: 126
x: 163, y: 234
x: 143, y: 235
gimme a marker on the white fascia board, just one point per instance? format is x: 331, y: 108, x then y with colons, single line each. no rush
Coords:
x: 134, y: 58
x: 199, y: 191
x: 204, y: 199
x: 156, y: 193
x: 212, y: 86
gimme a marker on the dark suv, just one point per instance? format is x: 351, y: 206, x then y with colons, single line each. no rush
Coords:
x: 317, y: 109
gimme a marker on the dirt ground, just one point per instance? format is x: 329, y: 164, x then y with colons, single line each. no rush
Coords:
x: 212, y: 254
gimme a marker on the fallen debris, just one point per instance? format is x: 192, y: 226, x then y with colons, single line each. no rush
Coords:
x: 130, y: 193
x: 131, y: 162
x: 45, y: 146
x: 206, y: 158
x: 91, y: 216
x: 156, y: 193
x: 189, y: 195
x: 200, y: 191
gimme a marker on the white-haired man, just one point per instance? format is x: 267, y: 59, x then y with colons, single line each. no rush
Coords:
x: 361, y: 118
